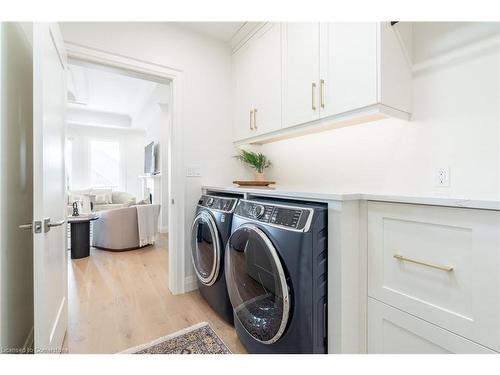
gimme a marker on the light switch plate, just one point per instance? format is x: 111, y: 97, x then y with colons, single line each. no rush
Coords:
x: 193, y: 170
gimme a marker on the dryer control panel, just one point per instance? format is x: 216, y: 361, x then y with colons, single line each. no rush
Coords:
x: 218, y: 203
x: 278, y: 215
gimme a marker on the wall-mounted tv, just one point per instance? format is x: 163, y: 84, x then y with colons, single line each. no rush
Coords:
x: 150, y: 159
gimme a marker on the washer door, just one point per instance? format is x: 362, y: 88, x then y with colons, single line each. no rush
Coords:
x: 256, y: 284
x: 205, y: 248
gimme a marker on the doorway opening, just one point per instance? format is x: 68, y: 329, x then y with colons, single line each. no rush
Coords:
x: 117, y: 139
x: 118, y: 163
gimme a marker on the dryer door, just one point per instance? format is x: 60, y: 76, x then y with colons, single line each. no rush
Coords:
x: 256, y: 284
x: 205, y: 248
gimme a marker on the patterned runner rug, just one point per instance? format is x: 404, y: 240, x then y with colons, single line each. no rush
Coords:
x: 197, y: 339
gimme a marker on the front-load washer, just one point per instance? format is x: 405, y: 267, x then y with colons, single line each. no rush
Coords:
x: 276, y: 273
x: 209, y: 234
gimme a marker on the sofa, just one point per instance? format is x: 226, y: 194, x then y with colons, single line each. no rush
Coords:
x: 119, y: 199
x: 126, y: 228
x: 103, y: 199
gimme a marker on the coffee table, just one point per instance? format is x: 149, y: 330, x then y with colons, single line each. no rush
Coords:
x: 80, y: 235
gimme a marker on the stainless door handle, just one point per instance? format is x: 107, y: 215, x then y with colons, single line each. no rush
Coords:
x: 47, y: 224
x: 57, y: 223
x: 36, y: 229
x: 255, y: 119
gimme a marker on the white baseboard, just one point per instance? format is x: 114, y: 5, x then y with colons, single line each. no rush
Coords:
x: 28, y: 343
x: 190, y: 283
x: 163, y: 229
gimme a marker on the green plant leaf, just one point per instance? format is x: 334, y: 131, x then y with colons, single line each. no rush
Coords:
x: 257, y: 161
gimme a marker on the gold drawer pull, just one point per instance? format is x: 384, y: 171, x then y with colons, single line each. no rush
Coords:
x: 436, y: 266
x: 322, y: 93
x: 251, y: 119
x: 313, y: 96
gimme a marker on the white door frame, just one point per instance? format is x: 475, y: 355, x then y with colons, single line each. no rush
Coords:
x: 162, y: 74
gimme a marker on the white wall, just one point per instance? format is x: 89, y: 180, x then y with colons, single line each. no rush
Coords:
x: 455, y: 124
x: 206, y: 112
x: 132, y: 144
x: 16, y: 186
x: 154, y: 116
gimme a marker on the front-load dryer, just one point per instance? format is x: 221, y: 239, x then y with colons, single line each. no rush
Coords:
x: 276, y: 272
x: 209, y: 234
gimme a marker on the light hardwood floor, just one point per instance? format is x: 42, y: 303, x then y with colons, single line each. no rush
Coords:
x: 118, y: 300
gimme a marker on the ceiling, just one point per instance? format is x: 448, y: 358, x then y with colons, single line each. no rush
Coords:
x: 222, y: 31
x: 104, y: 98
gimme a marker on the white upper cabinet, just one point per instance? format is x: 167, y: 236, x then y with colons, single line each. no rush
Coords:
x: 257, y: 83
x: 297, y: 78
x: 300, y: 73
x: 267, y: 111
x: 348, y: 67
x: 244, y: 91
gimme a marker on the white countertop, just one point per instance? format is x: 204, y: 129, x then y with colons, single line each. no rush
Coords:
x: 288, y: 192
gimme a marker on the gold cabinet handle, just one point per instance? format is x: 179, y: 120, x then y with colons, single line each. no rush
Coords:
x: 251, y: 119
x: 255, y: 119
x: 313, y: 96
x: 322, y: 93
x: 436, y: 266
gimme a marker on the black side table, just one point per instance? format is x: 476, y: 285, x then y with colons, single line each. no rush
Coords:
x: 80, y: 235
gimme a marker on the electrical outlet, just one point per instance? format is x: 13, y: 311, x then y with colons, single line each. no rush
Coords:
x: 442, y: 176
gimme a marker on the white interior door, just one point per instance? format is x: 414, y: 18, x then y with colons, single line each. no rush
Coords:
x: 50, y: 273
x: 16, y: 186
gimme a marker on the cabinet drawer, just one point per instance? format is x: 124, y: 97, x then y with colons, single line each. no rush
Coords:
x: 439, y: 264
x: 392, y: 331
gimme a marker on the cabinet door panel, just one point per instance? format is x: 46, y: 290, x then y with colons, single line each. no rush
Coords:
x: 244, y: 88
x: 301, y: 71
x: 440, y: 264
x: 348, y: 66
x: 267, y: 74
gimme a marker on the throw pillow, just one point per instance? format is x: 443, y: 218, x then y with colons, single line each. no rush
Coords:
x: 77, y: 195
x: 100, y: 199
x: 102, y: 196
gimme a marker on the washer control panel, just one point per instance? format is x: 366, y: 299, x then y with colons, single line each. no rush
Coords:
x: 283, y: 216
x: 218, y: 203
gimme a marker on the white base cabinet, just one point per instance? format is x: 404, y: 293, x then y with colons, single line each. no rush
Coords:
x: 439, y: 264
x: 392, y: 331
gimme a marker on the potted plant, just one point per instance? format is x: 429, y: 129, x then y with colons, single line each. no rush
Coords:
x: 255, y: 160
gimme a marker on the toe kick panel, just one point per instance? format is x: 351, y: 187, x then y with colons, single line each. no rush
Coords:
x: 440, y: 264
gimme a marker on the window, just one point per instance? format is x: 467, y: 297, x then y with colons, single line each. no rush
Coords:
x: 104, y: 163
